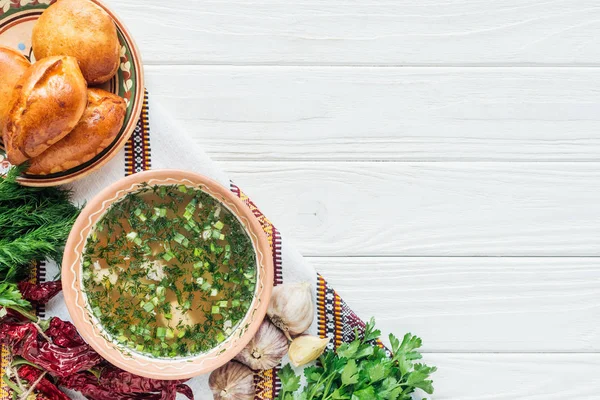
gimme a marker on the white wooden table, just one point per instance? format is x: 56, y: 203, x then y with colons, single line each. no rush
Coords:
x: 438, y: 161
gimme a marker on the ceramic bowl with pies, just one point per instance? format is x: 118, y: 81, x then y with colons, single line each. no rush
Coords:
x: 100, y: 78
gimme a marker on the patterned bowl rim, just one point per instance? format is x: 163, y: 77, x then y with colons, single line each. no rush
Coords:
x: 137, y: 105
x: 91, y: 330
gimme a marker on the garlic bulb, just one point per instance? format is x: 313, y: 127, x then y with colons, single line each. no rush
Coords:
x: 291, y: 308
x: 305, y: 349
x: 233, y: 381
x: 266, y: 349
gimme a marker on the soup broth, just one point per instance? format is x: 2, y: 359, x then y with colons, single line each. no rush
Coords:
x: 169, y: 271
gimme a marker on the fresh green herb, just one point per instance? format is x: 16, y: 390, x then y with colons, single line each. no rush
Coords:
x: 34, y: 224
x: 362, y: 370
x: 11, y: 297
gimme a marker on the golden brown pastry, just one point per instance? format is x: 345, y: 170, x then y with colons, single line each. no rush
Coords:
x: 12, y: 66
x: 100, y: 124
x: 46, y: 104
x: 81, y: 29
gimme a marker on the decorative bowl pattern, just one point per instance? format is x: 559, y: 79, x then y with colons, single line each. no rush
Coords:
x: 127, y: 359
x: 17, y: 18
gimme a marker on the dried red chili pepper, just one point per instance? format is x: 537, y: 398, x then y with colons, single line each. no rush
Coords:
x: 125, y: 382
x: 44, y: 386
x: 39, y: 293
x: 88, y: 385
x: 63, y: 333
x: 23, y: 341
x: 68, y: 358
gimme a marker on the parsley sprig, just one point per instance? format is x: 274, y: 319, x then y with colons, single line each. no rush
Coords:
x: 362, y: 370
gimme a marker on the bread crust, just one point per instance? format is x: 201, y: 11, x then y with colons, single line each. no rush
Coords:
x: 46, y: 104
x: 100, y: 124
x: 12, y: 66
x: 81, y: 29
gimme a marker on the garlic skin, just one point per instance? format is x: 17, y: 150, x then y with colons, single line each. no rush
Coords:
x: 266, y: 349
x: 233, y: 381
x: 291, y: 308
x: 305, y: 349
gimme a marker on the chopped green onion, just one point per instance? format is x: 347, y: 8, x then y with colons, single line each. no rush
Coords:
x: 132, y: 235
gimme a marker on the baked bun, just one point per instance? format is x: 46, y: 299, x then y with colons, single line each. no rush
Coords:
x: 100, y: 124
x: 12, y: 66
x: 46, y: 104
x: 81, y: 29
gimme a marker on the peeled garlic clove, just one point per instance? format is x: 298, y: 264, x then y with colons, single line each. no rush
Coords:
x: 266, y: 349
x: 291, y: 308
x: 305, y: 349
x: 233, y: 381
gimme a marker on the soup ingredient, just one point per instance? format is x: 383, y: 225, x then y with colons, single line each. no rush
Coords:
x: 43, y: 386
x: 233, y: 381
x: 63, y: 333
x: 291, y: 308
x: 35, y: 224
x: 305, y: 349
x: 168, y: 271
x: 40, y: 293
x: 24, y: 340
x: 126, y: 382
x: 10, y: 296
x: 266, y: 349
x: 105, y: 382
x: 89, y: 385
x: 362, y: 370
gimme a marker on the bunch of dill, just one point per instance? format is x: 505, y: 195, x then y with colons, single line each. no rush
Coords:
x: 34, y: 224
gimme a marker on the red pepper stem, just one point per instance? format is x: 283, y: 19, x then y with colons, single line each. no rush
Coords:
x: 24, y: 313
x: 11, y: 384
x: 21, y: 361
x: 96, y: 373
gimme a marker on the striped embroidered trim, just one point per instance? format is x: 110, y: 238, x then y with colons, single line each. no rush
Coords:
x: 137, y: 148
x: 40, y: 276
x: 336, y: 320
x: 267, y: 382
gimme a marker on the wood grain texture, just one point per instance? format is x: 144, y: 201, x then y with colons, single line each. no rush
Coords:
x: 408, y: 114
x: 380, y: 32
x: 429, y: 209
x: 516, y: 376
x: 476, y: 304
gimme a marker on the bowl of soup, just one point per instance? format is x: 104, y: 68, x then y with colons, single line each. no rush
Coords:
x: 167, y: 274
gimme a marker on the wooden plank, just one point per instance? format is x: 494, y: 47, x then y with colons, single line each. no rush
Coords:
x: 409, y: 114
x: 381, y: 32
x: 475, y: 304
x: 516, y: 376
x: 429, y: 209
